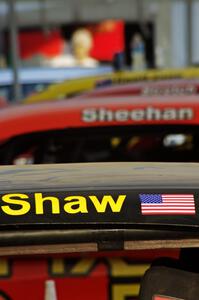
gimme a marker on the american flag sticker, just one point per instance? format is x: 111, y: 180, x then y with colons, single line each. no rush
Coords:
x: 167, y: 204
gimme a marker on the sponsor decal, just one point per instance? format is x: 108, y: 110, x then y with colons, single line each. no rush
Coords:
x: 167, y: 204
x: 122, y: 275
x: 22, y: 204
x: 97, y: 207
x: 169, y: 90
x: 137, y: 114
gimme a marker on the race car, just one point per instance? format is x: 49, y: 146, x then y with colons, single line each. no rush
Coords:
x: 78, y: 86
x: 93, y: 231
x: 102, y: 129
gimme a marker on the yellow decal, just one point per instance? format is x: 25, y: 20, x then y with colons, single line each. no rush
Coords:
x: 122, y: 291
x: 83, y: 266
x: 119, y: 268
x: 76, y: 205
x: 123, y: 276
x: 22, y: 207
x: 4, y: 268
x: 115, y: 206
x: 57, y: 267
x: 39, y: 204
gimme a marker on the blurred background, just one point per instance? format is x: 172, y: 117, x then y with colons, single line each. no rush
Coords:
x: 91, y: 33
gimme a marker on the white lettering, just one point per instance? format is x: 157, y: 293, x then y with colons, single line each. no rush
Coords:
x: 89, y: 115
x: 148, y: 114
x: 121, y: 115
x: 138, y: 115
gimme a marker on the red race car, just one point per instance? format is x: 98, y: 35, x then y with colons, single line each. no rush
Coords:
x: 150, y: 128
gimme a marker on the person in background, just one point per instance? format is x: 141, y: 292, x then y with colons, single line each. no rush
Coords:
x: 82, y: 43
x: 138, y: 53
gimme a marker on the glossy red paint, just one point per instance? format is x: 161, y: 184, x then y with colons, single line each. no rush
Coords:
x: 88, y: 276
x: 22, y: 119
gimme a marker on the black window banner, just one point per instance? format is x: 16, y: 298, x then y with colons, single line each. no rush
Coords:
x: 119, y: 207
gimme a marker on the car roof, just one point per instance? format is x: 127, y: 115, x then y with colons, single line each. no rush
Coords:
x: 79, y: 85
x: 97, y: 207
x: 95, y: 112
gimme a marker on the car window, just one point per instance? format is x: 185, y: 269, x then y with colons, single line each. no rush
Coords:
x: 102, y: 145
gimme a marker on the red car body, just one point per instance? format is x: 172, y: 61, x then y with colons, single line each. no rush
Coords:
x: 100, y: 112
x: 113, y: 276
